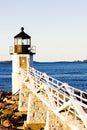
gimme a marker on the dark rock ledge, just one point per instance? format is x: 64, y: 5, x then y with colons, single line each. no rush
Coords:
x: 10, y: 117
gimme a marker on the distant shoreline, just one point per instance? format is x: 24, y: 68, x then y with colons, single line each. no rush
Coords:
x: 46, y: 61
x: 5, y: 61
x: 59, y: 61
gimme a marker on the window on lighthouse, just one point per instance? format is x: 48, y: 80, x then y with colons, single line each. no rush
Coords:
x: 18, y: 41
x: 25, y: 42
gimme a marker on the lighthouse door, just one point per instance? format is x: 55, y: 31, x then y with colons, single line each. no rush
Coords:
x: 23, y: 62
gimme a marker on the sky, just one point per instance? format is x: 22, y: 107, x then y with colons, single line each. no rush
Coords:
x: 58, y: 28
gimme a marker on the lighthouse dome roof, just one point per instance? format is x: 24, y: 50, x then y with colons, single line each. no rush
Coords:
x: 22, y: 35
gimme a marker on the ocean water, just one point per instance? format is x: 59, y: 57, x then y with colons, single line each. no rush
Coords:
x: 5, y: 76
x: 73, y: 73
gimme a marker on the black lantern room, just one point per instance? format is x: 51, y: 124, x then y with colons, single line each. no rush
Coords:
x: 22, y: 43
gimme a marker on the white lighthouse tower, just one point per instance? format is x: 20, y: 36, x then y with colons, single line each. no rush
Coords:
x: 22, y: 57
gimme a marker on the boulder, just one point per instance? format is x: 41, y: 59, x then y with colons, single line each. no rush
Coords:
x: 6, y: 123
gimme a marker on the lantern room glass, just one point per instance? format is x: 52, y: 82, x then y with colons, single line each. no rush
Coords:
x: 20, y: 41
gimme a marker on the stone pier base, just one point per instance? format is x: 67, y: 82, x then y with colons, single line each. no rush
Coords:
x: 39, y: 116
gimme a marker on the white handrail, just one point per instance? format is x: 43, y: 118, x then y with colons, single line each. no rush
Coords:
x: 76, y: 93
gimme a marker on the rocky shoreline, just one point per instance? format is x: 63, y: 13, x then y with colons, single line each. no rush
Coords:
x: 10, y: 117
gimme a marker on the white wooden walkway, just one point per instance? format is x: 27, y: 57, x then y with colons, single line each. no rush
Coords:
x: 68, y: 103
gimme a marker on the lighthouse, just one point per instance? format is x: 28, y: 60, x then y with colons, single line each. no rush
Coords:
x: 22, y: 58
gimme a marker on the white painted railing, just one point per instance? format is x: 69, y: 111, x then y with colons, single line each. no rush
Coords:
x: 56, y: 94
x: 61, y: 87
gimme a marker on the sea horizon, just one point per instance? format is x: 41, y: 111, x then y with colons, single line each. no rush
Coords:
x: 49, y: 61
